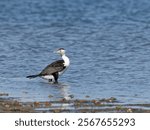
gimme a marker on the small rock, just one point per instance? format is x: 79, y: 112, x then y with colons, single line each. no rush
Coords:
x: 36, y: 104
x: 57, y: 111
x: 87, y: 96
x: 118, y: 107
x: 97, y: 103
x: 7, y: 106
x: 71, y: 96
x: 47, y: 104
x: 4, y: 94
x: 129, y: 110
x: 50, y: 96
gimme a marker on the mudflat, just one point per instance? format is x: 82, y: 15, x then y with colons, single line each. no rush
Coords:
x: 110, y: 105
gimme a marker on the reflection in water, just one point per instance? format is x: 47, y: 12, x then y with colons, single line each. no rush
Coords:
x: 65, y: 94
x: 64, y: 89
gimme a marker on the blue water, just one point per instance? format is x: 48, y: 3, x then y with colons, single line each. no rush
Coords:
x: 107, y: 41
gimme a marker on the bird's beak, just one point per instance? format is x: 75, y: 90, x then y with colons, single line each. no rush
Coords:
x: 56, y: 51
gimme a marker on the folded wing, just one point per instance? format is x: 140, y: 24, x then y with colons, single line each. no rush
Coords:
x: 52, y: 68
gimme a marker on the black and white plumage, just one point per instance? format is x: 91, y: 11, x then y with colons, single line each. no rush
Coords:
x: 55, y: 69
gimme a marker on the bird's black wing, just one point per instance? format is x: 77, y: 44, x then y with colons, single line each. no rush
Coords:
x: 53, y: 68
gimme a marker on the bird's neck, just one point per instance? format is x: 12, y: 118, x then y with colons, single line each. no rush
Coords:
x: 66, y: 60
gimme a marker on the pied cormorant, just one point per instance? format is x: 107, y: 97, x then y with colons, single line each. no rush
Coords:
x: 55, y: 69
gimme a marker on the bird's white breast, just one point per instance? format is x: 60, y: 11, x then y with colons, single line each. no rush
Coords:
x: 66, y: 64
x: 66, y: 60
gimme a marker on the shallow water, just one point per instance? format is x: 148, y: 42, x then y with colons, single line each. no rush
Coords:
x: 107, y: 41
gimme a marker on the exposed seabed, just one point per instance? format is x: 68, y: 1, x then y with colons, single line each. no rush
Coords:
x: 110, y: 105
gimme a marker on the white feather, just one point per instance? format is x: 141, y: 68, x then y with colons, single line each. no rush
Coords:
x: 49, y: 77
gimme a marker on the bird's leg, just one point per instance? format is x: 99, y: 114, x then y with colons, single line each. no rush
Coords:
x: 56, y: 77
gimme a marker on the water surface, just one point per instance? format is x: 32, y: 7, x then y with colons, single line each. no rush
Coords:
x: 107, y: 41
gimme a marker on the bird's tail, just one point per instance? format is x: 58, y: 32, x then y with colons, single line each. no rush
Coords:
x: 32, y: 76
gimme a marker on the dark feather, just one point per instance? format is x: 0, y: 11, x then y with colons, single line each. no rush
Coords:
x: 52, y: 68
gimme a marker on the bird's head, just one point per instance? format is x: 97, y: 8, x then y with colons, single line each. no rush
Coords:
x: 61, y: 51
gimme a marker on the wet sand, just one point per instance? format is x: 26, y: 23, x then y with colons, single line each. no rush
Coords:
x: 109, y: 105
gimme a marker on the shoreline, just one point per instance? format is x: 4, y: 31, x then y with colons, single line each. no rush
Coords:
x: 109, y: 105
